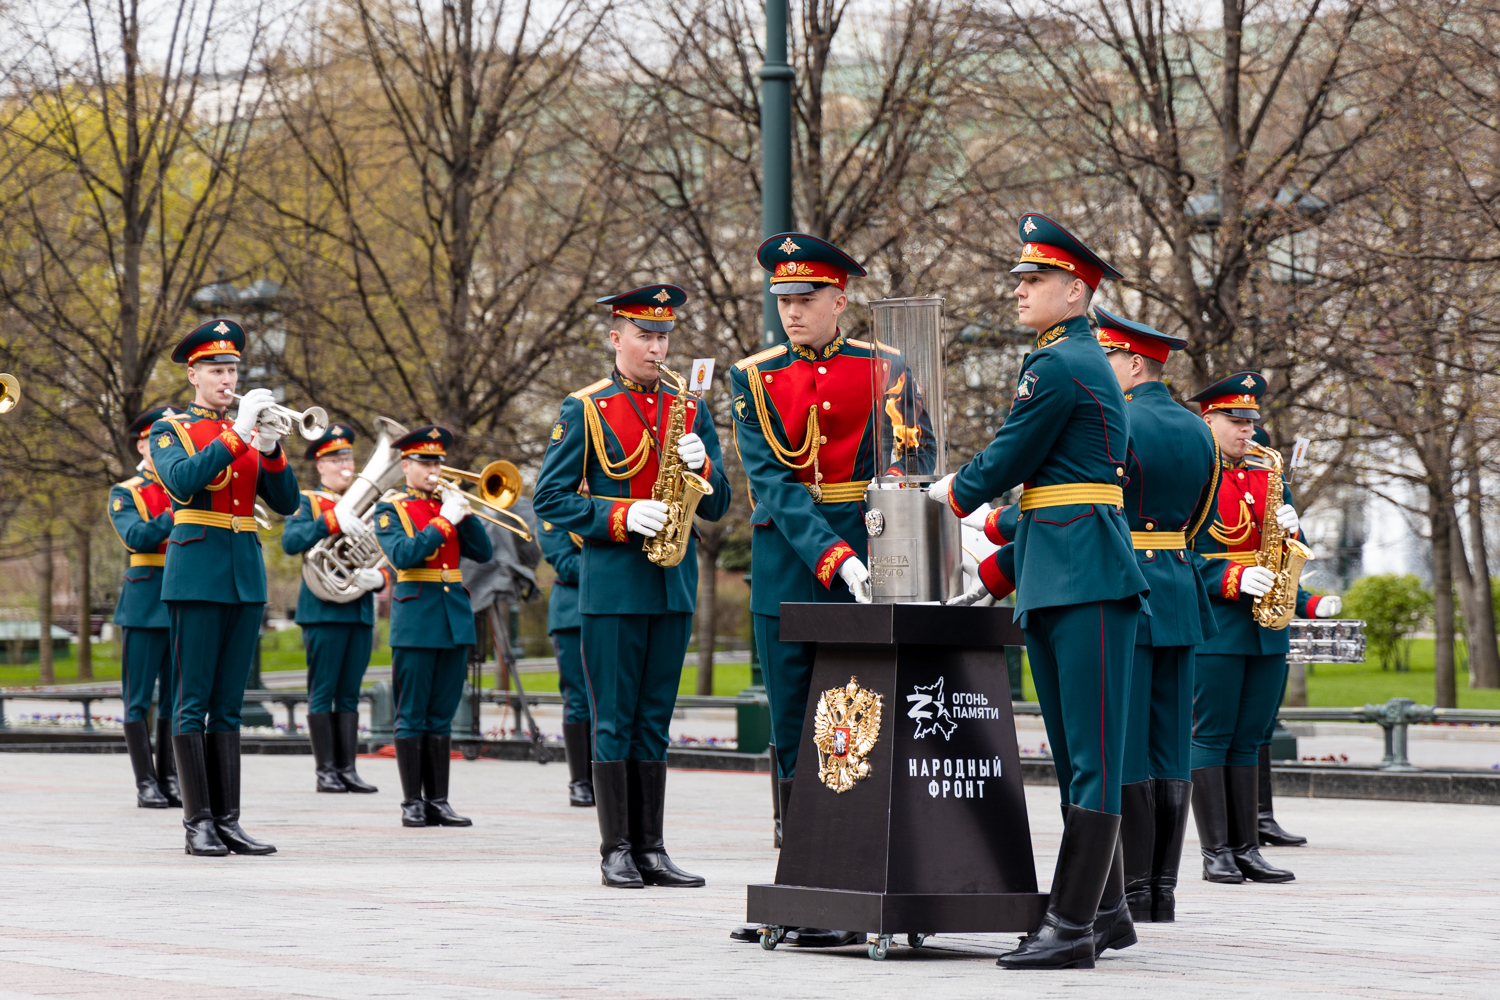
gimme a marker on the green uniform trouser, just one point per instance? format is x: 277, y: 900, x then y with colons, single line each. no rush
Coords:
x: 337, y: 655
x: 787, y: 668
x: 568, y: 642
x: 213, y: 645
x: 144, y: 661
x: 633, y: 666
x: 1081, y: 657
x: 1159, y: 730
x: 1234, y: 702
x: 428, y: 683
x: 1276, y: 709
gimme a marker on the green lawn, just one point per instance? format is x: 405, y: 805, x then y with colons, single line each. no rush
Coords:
x: 729, y: 678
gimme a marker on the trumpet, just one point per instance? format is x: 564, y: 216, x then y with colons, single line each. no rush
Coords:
x: 310, y: 423
x: 10, y: 392
x: 498, y: 485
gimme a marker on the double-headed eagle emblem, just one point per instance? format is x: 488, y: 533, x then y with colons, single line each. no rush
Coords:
x: 845, y: 728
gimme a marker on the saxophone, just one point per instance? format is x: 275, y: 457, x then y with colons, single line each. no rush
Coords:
x: 676, y: 486
x: 1281, y: 555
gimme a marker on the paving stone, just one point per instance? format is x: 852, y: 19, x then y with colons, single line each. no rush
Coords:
x: 1393, y: 900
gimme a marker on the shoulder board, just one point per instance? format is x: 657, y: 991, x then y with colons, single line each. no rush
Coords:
x: 766, y: 355
x: 870, y: 347
x: 180, y: 416
x: 589, y: 390
x: 319, y: 494
x: 133, y: 482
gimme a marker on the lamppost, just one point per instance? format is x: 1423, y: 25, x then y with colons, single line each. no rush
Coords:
x: 776, y: 78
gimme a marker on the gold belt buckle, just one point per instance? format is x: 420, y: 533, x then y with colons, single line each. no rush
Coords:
x: 446, y: 576
x: 234, y: 522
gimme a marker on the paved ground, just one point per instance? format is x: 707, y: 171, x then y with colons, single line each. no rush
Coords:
x: 96, y: 899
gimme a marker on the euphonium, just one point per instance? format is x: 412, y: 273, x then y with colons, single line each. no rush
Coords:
x: 328, y: 567
x: 676, y: 486
x: 1281, y: 555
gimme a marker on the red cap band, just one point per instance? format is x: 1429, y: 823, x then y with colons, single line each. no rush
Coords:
x: 1041, y: 253
x: 809, y: 271
x: 1135, y: 343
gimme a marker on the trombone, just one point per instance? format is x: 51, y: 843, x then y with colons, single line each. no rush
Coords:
x: 10, y: 392
x: 498, y: 486
x: 311, y: 422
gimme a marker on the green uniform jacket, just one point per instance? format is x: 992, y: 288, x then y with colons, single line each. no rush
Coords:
x: 141, y: 512
x: 415, y: 537
x: 1234, y: 526
x: 206, y: 468
x: 303, y: 530
x: 1169, y: 483
x: 799, y: 542
x: 610, y: 419
x: 565, y: 554
x: 1068, y: 424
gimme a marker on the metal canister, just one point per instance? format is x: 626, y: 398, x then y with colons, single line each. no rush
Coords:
x: 915, y: 549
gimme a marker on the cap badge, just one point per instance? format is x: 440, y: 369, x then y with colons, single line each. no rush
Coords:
x: 434, y: 434
x: 661, y: 296
x: 1249, y: 382
x: 1029, y: 228
x: 658, y: 310
x: 222, y: 327
x: 787, y: 246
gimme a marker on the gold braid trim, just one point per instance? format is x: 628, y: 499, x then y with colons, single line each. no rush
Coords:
x: 784, y: 454
x: 1213, y: 494
x: 632, y: 465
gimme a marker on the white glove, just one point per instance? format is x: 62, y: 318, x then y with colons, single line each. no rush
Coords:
x: 977, y: 592
x: 369, y: 579
x: 939, y: 490
x: 1286, y: 516
x: 1257, y: 580
x: 858, y: 578
x: 455, y: 506
x: 349, y: 522
x: 266, y: 439
x: 1328, y: 607
x: 692, y: 452
x: 254, y: 403
x: 646, y: 517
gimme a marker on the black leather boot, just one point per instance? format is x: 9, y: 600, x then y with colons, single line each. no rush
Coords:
x: 320, y: 734
x: 197, y: 815
x: 1138, y: 839
x: 1065, y: 940
x: 223, y: 751
x: 148, y: 794
x: 166, y: 764
x: 647, y: 791
x: 580, y: 764
x: 1172, y: 795
x: 1270, y: 832
x: 1211, y: 814
x: 346, y: 752
x: 409, y: 767
x: 1244, y: 817
x: 437, y: 758
x: 611, y: 799
x: 1113, y: 928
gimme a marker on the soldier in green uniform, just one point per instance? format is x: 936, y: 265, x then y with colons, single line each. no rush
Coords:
x: 214, y: 577
x: 564, y: 550
x: 1241, y: 672
x: 1079, y: 586
x: 338, y: 637
x: 806, y: 431
x: 1169, y: 483
x: 141, y: 513
x: 636, y: 615
x: 423, y: 531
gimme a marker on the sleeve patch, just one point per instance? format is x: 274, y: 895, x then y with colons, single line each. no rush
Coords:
x: 385, y: 520
x: 118, y: 505
x: 559, y: 431
x: 1026, y: 386
x: 740, y: 408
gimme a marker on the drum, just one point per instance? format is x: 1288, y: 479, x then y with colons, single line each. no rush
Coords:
x: 1329, y: 640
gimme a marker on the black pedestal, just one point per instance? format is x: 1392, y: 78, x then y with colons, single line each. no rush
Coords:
x: 935, y: 837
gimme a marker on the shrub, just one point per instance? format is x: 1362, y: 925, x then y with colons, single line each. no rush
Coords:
x: 1392, y: 606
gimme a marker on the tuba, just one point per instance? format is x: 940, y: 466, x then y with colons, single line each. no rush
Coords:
x: 676, y: 486
x: 1281, y: 555
x: 328, y: 567
x: 10, y: 392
